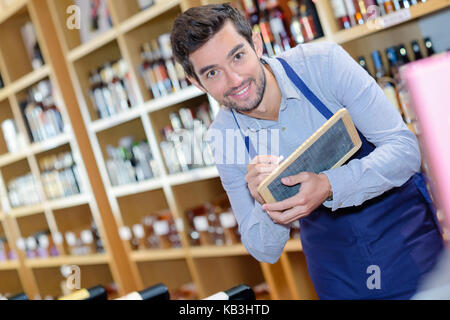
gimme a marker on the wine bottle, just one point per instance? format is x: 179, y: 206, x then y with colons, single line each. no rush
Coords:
x: 94, y: 293
x: 240, y: 292
x: 416, y: 49
x: 307, y: 20
x: 389, y: 6
x: 156, y: 292
x: 1, y: 82
x: 271, y: 47
x: 278, y: 26
x: 351, y: 11
x: 340, y: 13
x: 429, y: 46
x: 403, y: 54
x: 363, y: 63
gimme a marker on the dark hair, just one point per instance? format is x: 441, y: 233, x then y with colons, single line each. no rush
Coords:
x: 197, y: 25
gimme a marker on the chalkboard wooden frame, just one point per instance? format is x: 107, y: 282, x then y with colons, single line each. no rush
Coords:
x: 343, y: 114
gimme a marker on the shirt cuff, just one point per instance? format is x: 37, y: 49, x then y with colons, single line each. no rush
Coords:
x: 336, y: 178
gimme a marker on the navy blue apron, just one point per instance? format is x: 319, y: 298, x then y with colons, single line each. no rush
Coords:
x: 378, y: 250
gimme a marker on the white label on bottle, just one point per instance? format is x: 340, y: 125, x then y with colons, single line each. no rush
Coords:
x: 86, y: 236
x: 218, y: 296
x: 138, y: 231
x: 201, y: 223
x: 43, y: 241
x: 125, y: 233
x: 350, y: 7
x: 395, y: 18
x: 179, y: 224
x: 131, y: 296
x: 339, y: 8
x: 31, y: 243
x: 227, y: 220
x: 161, y: 227
x: 20, y: 243
x: 58, y: 238
x: 71, y: 239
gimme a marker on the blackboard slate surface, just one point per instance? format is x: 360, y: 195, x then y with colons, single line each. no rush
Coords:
x: 329, y: 147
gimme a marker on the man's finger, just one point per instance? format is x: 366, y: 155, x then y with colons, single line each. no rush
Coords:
x: 282, y: 205
x: 296, y: 179
x: 264, y: 159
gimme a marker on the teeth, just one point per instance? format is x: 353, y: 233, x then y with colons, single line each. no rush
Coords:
x: 242, y: 91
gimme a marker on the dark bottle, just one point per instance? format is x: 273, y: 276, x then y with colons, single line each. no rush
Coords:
x: 429, y: 46
x: 94, y: 293
x: 397, y: 4
x: 165, y: 85
x: 405, y: 3
x: 1, y: 82
x: 308, y: 24
x: 393, y: 63
x: 363, y: 63
x: 156, y: 292
x: 311, y: 7
x: 403, y: 54
x: 416, y: 49
x: 264, y: 25
x: 240, y: 292
x: 20, y: 296
x: 341, y: 14
x: 296, y: 26
x: 278, y: 26
x: 96, y: 95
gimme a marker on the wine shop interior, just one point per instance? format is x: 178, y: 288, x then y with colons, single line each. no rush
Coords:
x: 116, y: 207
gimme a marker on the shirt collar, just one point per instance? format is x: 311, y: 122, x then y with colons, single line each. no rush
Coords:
x: 288, y: 91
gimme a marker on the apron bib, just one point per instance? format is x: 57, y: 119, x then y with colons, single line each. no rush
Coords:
x: 378, y: 250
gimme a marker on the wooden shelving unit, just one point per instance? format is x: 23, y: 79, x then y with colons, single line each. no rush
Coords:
x: 68, y: 62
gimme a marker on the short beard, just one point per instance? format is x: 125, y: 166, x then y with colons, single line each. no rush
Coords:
x: 260, y: 89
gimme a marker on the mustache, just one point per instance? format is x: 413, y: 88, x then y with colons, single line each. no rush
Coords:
x: 237, y: 89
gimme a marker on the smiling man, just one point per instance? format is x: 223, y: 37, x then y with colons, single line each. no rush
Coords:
x: 368, y: 228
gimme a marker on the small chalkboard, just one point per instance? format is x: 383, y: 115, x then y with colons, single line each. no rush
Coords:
x: 329, y: 147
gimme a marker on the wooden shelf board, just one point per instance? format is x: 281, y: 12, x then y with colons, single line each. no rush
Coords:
x: 29, y: 79
x: 293, y: 245
x: 218, y: 251
x: 9, y: 265
x: 107, y: 123
x: 27, y: 210
x: 144, y: 16
x: 93, y: 259
x: 193, y: 175
x: 417, y: 11
x: 138, y: 187
x: 158, y: 255
x: 50, y: 144
x: 12, y: 9
x: 173, y: 98
x: 9, y: 158
x: 68, y: 202
x: 4, y: 93
x: 92, y: 45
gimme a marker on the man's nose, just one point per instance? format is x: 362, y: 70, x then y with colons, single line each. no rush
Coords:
x: 234, y: 79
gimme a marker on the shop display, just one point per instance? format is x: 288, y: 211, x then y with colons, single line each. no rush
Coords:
x: 95, y: 18
x: 132, y: 161
x: 111, y: 89
x: 60, y: 176
x: 23, y: 191
x: 32, y: 45
x: 43, y: 119
x: 6, y: 253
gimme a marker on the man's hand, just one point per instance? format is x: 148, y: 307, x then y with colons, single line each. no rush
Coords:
x: 257, y: 170
x: 314, y: 190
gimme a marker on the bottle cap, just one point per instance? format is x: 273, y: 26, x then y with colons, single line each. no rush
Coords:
x: 227, y: 220
x: 138, y: 231
x: 87, y: 237
x: 125, y: 233
x: 161, y: 227
x: 71, y: 239
x: 201, y: 223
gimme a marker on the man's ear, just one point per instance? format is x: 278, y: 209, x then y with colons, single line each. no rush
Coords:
x: 196, y: 83
x: 257, y: 42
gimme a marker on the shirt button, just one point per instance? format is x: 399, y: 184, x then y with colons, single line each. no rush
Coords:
x: 283, y: 128
x: 340, y: 204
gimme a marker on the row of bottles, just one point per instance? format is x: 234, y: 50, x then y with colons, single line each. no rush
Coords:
x: 160, y: 72
x: 77, y: 243
x: 390, y: 78
x: 132, y: 161
x: 213, y: 223
x: 60, y: 176
x: 280, y: 33
x: 111, y: 89
x: 43, y: 119
x: 6, y: 252
x: 184, y: 147
x: 23, y: 191
x: 350, y: 13
x: 155, y: 231
x: 31, y: 45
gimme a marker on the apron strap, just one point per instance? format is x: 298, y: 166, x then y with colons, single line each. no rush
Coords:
x: 248, y: 145
x: 305, y: 90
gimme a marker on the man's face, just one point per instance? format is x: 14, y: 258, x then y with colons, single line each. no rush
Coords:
x: 230, y: 70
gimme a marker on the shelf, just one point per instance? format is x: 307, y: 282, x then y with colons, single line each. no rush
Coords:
x: 107, y: 123
x: 9, y: 265
x: 49, y: 144
x: 193, y: 175
x: 218, y: 251
x: 86, y: 48
x: 9, y: 158
x: 93, y: 259
x: 146, y: 15
x: 173, y: 98
x: 25, y: 81
x: 68, y: 202
x: 293, y: 245
x: 12, y: 9
x: 130, y: 189
x: 158, y: 255
x: 417, y: 11
x: 4, y: 93
x: 27, y: 210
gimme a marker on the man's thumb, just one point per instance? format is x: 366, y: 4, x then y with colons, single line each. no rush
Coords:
x: 293, y: 180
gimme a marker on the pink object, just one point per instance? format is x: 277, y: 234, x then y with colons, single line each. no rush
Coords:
x: 428, y: 81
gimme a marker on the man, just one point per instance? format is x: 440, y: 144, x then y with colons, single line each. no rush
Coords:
x: 367, y: 230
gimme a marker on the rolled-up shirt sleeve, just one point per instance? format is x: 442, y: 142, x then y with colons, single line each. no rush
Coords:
x: 262, y: 238
x: 396, y: 156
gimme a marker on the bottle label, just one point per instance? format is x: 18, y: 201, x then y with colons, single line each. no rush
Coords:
x: 201, y: 223
x: 339, y: 8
